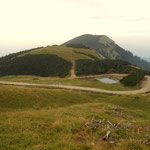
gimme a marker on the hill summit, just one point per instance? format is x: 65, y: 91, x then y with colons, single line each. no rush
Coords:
x: 107, y: 48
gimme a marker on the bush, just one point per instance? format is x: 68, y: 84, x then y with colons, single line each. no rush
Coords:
x: 134, y: 146
x: 132, y: 79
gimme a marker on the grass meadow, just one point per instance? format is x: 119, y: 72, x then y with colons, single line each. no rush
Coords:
x: 54, y: 119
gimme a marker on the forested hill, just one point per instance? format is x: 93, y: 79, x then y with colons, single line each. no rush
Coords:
x: 109, y: 49
x: 44, y: 61
x: 58, y: 61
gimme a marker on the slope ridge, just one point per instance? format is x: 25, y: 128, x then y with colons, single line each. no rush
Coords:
x: 67, y: 53
x: 109, y: 49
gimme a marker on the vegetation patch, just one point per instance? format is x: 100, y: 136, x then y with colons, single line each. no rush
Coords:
x: 89, y: 55
x: 132, y: 79
x: 41, y: 65
x: 85, y: 67
x: 64, y: 52
x: 77, y: 46
x: 8, y: 57
x: 73, y: 128
x: 39, y: 118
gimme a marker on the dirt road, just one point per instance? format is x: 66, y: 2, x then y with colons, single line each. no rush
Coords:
x: 72, y: 71
x: 145, y: 87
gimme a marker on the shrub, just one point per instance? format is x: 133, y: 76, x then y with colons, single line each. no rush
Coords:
x: 132, y: 79
x: 134, y: 146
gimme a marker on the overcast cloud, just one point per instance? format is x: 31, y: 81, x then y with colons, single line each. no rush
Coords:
x: 31, y: 23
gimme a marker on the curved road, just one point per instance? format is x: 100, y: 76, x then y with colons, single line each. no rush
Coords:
x: 144, y: 88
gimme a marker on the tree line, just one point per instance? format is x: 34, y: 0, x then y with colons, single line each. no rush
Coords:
x: 41, y: 65
x: 86, y: 66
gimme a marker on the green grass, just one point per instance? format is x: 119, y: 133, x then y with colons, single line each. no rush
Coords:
x: 18, y: 97
x: 68, y: 81
x: 33, y: 118
x: 62, y: 129
x: 48, y: 119
x: 64, y: 52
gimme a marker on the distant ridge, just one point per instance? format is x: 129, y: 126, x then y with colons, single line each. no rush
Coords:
x: 147, y: 59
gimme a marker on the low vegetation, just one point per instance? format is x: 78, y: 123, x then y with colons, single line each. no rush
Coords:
x: 89, y: 55
x: 132, y: 79
x: 38, y: 118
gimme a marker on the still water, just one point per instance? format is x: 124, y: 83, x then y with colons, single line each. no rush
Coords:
x: 108, y: 80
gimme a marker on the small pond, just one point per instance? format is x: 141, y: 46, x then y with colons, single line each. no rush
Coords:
x: 108, y: 80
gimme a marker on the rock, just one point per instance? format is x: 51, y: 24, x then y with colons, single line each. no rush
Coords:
x: 106, y: 136
x: 112, y: 142
x: 36, y: 107
x: 92, y: 143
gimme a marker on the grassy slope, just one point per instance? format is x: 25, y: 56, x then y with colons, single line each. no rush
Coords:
x: 64, y: 52
x: 15, y: 97
x: 134, y: 67
x: 68, y: 81
x: 47, y: 119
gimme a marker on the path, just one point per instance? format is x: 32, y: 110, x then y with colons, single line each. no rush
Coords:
x: 73, y: 70
x: 145, y: 87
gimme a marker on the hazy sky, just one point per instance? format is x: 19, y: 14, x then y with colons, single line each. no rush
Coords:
x: 31, y: 23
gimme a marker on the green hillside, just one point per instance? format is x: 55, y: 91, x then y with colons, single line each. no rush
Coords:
x: 44, y: 61
x: 48, y: 119
x: 67, y: 53
x: 60, y: 61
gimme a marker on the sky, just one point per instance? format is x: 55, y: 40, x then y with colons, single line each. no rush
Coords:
x: 26, y: 24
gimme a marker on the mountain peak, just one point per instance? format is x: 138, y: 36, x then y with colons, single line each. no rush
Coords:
x: 106, y: 47
x: 93, y: 36
x: 85, y: 39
